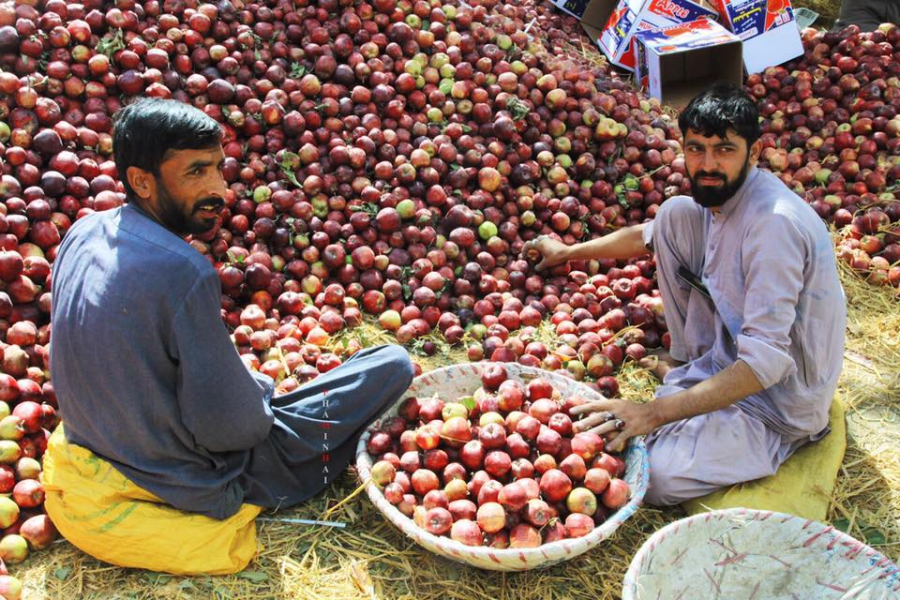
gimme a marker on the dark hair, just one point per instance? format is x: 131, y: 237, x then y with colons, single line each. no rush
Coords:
x: 722, y: 107
x: 146, y: 130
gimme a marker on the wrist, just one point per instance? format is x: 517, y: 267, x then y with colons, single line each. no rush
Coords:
x: 657, y: 414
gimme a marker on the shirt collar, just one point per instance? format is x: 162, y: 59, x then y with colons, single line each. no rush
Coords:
x: 731, y: 205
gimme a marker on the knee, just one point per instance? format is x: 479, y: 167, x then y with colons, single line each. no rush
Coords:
x: 397, y: 362
x: 667, y: 486
x: 663, y: 490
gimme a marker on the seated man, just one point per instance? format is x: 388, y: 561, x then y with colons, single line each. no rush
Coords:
x: 146, y: 375
x: 754, y: 307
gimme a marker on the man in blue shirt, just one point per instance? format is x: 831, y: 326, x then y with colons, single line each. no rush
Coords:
x: 146, y: 375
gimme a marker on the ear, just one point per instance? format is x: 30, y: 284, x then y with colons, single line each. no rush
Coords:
x: 755, y: 151
x: 142, y: 182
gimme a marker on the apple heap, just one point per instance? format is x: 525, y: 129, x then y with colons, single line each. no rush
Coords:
x: 832, y: 134
x: 502, y: 468
x: 599, y: 322
x: 401, y: 152
x: 24, y: 431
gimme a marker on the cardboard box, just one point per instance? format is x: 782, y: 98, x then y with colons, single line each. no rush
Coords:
x: 612, y: 25
x: 676, y: 63
x: 767, y: 28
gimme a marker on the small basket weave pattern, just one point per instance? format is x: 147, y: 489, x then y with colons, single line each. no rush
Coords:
x: 757, y: 555
x: 455, y: 381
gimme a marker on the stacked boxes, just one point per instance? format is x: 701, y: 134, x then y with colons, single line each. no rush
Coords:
x: 613, y: 25
x: 763, y: 31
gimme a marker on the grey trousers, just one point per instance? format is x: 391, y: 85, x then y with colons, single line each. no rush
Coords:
x: 697, y: 456
x: 318, y: 426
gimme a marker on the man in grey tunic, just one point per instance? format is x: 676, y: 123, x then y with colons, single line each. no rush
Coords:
x: 757, y: 333
x: 146, y: 375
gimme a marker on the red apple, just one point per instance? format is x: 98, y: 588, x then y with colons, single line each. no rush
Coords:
x: 491, y: 517
x: 512, y: 496
x: 555, y: 485
x: 538, y: 512
x: 597, y: 480
x: 579, y: 525
x: 29, y: 493
x: 438, y: 521
x: 524, y: 536
x: 616, y: 495
x: 467, y: 532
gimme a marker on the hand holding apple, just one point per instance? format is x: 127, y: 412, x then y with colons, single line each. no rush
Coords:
x: 637, y: 419
x: 550, y: 251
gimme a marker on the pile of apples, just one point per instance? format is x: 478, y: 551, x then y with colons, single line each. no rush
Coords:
x: 24, y: 431
x: 502, y: 468
x: 832, y: 133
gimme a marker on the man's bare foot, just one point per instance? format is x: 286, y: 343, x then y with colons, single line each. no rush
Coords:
x: 659, y: 362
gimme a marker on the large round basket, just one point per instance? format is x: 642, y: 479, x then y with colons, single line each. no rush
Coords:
x: 743, y: 553
x: 461, y: 380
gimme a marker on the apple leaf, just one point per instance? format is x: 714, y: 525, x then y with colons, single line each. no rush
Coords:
x: 62, y: 573
x: 297, y: 70
x: 874, y: 537
x: 518, y: 109
x: 111, y: 43
x: 468, y: 402
x: 842, y: 525
x: 255, y: 576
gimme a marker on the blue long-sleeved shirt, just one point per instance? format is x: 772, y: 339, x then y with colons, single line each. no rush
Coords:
x: 144, y: 370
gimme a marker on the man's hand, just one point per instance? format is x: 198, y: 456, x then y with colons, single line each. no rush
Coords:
x: 618, y: 419
x: 551, y: 251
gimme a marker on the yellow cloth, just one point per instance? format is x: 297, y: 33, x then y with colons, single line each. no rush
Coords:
x: 802, y: 486
x: 106, y: 515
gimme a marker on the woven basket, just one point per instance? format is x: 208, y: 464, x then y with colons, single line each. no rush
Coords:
x: 461, y: 380
x: 759, y: 555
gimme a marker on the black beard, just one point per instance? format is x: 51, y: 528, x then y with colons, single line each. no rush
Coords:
x: 174, y: 218
x: 716, y: 195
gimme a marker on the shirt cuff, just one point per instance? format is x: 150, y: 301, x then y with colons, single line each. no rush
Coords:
x: 647, y: 235
x: 768, y: 363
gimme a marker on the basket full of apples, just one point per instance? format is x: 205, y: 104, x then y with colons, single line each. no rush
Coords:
x: 480, y: 463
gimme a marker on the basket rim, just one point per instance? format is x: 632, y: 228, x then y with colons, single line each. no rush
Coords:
x: 816, y: 529
x: 568, y: 546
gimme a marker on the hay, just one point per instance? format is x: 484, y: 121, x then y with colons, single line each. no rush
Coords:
x: 866, y: 502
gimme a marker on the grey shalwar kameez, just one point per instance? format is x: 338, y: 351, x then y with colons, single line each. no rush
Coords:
x: 148, y: 379
x: 776, y: 303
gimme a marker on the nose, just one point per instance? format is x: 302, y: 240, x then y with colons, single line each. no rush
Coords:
x: 216, y: 185
x: 709, y: 164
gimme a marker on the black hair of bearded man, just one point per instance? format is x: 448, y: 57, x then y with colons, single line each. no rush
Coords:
x: 150, y: 128
x: 722, y: 107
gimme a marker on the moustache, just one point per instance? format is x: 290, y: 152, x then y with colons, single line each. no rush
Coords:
x: 209, y: 203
